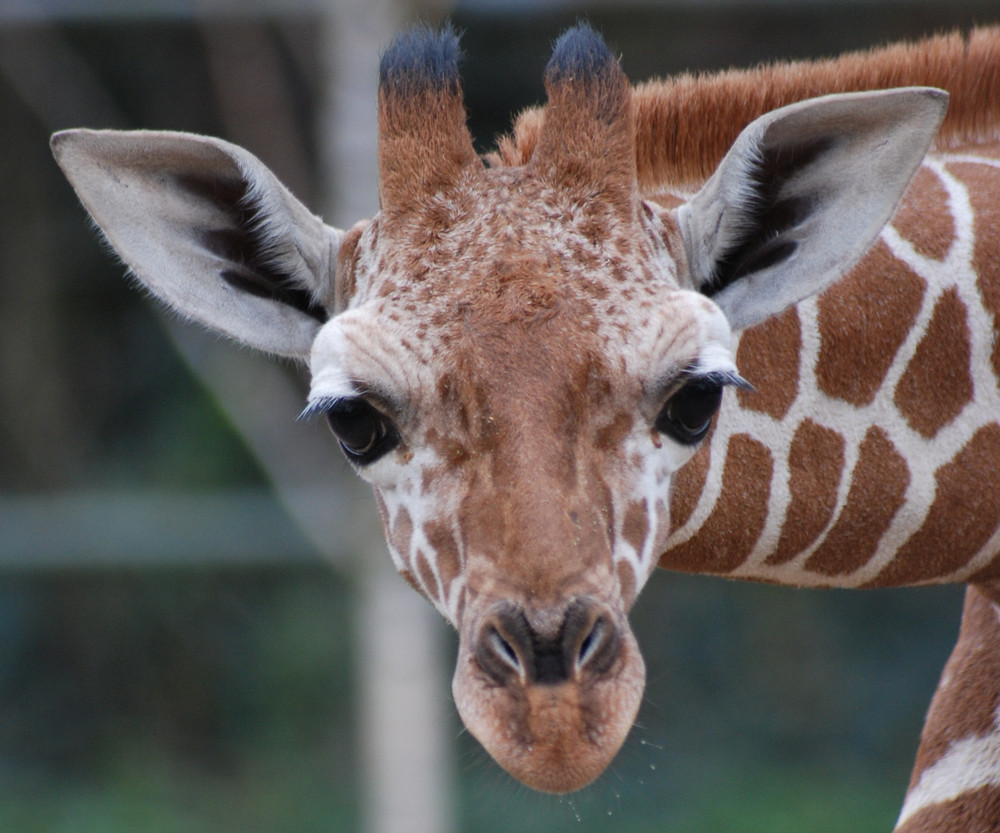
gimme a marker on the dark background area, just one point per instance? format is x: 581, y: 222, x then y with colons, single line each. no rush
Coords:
x: 219, y: 698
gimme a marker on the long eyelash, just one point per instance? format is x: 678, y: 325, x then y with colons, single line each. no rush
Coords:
x: 325, y: 403
x: 717, y: 377
x: 727, y: 377
x: 319, y: 406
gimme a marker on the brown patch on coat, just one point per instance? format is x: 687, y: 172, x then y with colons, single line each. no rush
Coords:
x: 964, y: 706
x: 401, y: 533
x: 626, y: 582
x: 687, y: 486
x: 963, y: 517
x: 856, y: 351
x: 816, y: 464
x: 768, y: 357
x: 924, y: 216
x: 878, y: 490
x: 937, y: 383
x: 446, y: 552
x: 399, y: 536
x: 635, y: 525
x: 430, y: 583
x: 984, y: 184
x: 730, y: 532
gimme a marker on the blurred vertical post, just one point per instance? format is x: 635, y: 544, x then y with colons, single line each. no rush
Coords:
x: 403, y: 708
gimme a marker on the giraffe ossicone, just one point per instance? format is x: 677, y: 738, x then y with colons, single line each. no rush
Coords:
x: 525, y: 355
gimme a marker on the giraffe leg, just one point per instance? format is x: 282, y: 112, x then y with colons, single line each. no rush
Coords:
x: 955, y: 784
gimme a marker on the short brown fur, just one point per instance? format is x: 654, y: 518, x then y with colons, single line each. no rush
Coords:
x: 676, y: 145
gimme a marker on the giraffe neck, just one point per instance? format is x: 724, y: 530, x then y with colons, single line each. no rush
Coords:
x: 955, y: 783
x: 871, y: 454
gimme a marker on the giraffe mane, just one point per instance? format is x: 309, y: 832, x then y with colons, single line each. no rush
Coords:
x: 677, y: 146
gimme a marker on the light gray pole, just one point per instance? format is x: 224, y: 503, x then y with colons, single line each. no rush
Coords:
x: 405, y: 702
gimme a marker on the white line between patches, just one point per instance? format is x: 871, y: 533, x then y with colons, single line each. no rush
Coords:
x: 969, y: 764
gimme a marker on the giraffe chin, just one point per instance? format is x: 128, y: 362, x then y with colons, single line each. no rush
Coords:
x: 554, y: 738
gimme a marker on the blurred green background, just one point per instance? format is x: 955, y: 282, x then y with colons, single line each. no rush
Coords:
x: 154, y: 687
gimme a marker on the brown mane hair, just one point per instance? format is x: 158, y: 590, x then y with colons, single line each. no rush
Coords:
x: 677, y: 146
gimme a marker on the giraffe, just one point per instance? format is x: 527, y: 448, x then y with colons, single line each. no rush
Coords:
x: 661, y: 326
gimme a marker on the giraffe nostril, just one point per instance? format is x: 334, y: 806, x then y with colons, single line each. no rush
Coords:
x: 590, y: 643
x: 599, y: 647
x: 504, y: 645
x: 504, y: 650
x: 587, y: 642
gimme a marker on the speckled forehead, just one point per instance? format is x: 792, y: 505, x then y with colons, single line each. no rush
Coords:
x: 505, y: 252
x: 505, y: 224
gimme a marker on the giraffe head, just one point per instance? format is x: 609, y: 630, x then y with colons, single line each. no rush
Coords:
x: 517, y: 359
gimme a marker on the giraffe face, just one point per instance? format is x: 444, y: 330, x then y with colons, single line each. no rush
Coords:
x: 520, y: 409
x: 519, y: 358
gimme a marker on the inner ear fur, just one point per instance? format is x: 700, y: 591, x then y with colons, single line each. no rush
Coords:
x: 802, y: 195
x: 209, y: 230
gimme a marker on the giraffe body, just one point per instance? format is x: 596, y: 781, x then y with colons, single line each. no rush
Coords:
x: 874, y: 447
x: 525, y: 358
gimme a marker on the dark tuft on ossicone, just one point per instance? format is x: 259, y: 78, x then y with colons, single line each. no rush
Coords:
x: 580, y: 53
x: 421, y: 58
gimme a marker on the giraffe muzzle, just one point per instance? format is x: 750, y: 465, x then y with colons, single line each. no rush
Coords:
x: 550, y: 692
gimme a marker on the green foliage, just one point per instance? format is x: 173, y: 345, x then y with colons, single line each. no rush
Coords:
x: 180, y: 702
x: 224, y: 701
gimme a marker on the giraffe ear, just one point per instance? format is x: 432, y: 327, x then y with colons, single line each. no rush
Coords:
x: 802, y: 194
x: 209, y: 230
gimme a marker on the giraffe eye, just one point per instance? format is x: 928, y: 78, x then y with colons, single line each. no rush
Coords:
x: 364, y: 432
x: 688, y: 413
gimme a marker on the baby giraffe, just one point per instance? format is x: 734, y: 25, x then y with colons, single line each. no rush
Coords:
x: 527, y: 356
